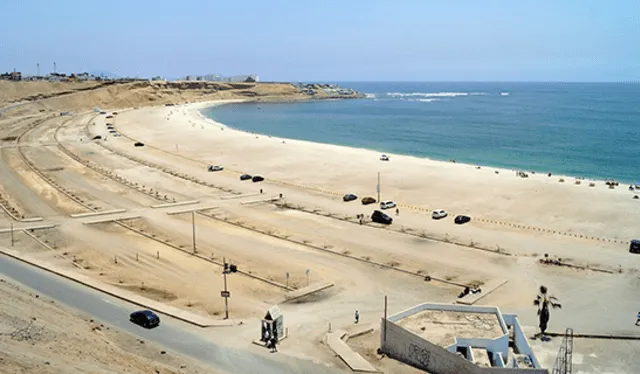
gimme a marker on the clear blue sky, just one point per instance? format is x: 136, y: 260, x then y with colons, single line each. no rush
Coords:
x: 341, y: 40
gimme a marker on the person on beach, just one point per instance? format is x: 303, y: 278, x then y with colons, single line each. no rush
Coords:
x: 637, y: 318
x: 357, y: 315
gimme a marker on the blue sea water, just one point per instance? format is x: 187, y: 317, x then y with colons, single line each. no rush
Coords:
x: 589, y: 130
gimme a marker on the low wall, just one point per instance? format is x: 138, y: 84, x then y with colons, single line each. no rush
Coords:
x: 520, y: 339
x: 405, y: 346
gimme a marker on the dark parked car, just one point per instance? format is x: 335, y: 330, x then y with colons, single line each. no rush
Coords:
x: 139, y: 144
x: 368, y: 200
x: 634, y: 247
x: 145, y: 318
x: 349, y: 197
x: 462, y: 219
x: 97, y: 137
x: 109, y: 117
x: 245, y: 177
x: 257, y: 178
x: 380, y: 217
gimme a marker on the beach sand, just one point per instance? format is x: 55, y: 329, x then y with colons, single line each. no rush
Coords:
x: 489, y: 193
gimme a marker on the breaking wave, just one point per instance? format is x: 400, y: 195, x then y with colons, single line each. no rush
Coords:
x: 434, y: 94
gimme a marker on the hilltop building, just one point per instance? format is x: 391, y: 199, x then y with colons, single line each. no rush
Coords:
x: 219, y: 78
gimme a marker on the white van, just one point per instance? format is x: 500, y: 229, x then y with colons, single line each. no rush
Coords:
x: 387, y: 204
x: 439, y: 213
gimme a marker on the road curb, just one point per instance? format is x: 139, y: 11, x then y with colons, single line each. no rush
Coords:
x: 140, y: 301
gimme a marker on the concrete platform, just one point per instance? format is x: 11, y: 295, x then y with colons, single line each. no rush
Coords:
x: 19, y: 228
x: 227, y: 197
x: 299, y: 293
x: 194, y: 209
x: 265, y: 200
x: 110, y: 219
x: 94, y: 214
x: 488, y: 288
x: 178, y: 203
x: 114, y: 291
x: 353, y: 360
x: 32, y: 219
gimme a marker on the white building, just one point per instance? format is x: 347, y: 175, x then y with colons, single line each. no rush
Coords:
x: 450, y: 339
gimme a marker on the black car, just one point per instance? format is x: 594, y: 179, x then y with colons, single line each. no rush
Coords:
x: 145, y: 318
x: 462, y: 219
x: 380, y: 217
x: 139, y: 144
x: 245, y: 177
x: 634, y: 247
x: 257, y: 178
x: 97, y: 137
x: 349, y: 197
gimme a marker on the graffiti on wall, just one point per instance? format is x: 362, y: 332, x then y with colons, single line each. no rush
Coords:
x: 420, y: 355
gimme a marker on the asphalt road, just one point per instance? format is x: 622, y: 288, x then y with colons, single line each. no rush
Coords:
x: 171, y: 334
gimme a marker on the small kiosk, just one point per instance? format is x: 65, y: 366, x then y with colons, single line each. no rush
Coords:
x: 272, y: 322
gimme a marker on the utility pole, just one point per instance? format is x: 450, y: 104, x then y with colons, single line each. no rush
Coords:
x: 38, y: 66
x: 378, y: 187
x: 226, y: 292
x: 12, y: 240
x: 193, y: 225
x: 54, y: 68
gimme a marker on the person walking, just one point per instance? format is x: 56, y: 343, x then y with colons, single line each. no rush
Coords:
x: 638, y: 319
x: 357, y: 315
x: 275, y: 334
x: 397, y: 212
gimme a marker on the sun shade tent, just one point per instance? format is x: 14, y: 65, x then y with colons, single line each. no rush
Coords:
x: 272, y: 321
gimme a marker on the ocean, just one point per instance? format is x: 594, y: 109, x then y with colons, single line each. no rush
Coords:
x: 589, y: 130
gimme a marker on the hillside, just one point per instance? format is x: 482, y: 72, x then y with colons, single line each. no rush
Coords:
x: 58, y: 96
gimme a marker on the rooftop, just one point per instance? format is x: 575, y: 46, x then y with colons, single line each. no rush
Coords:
x: 442, y: 327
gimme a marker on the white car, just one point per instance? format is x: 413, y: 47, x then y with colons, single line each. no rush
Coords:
x: 384, y: 158
x: 439, y: 213
x: 215, y: 168
x: 387, y: 204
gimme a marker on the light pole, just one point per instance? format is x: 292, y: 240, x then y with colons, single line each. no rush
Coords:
x: 12, y: 240
x: 226, y: 292
x: 378, y: 187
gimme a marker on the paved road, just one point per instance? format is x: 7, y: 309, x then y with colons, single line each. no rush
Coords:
x: 172, y: 334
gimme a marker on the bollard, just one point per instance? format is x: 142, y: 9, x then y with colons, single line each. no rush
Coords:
x: 158, y: 255
x: 137, y: 257
x: 115, y: 259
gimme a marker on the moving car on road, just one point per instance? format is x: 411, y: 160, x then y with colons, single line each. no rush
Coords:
x: 245, y: 177
x: 439, y: 214
x: 349, y: 197
x: 257, y: 178
x: 387, y: 204
x: 368, y: 200
x: 462, y: 219
x: 138, y: 144
x: 215, y: 168
x: 145, y: 318
x: 380, y: 217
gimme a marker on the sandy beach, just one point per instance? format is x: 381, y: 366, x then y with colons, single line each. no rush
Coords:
x: 309, y: 236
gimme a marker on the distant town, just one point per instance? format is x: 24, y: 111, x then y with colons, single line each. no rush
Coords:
x: 311, y: 89
x: 84, y: 76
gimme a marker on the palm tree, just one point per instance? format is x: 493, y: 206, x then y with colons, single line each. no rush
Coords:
x: 542, y: 301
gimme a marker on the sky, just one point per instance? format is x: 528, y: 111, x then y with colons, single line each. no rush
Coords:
x: 328, y: 40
